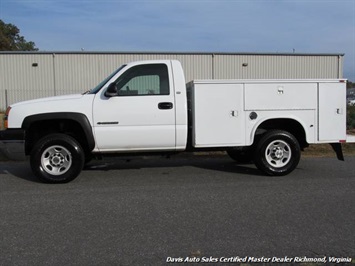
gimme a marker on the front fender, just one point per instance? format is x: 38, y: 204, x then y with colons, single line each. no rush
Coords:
x: 80, y: 118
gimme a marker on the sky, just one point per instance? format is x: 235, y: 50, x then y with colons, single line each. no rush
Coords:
x: 260, y: 26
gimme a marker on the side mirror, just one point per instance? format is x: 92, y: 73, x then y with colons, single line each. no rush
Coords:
x: 111, y: 90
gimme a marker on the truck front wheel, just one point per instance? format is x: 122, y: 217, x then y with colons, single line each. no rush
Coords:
x: 277, y: 153
x: 57, y: 158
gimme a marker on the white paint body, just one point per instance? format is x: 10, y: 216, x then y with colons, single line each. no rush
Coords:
x: 221, y: 109
x: 220, y: 112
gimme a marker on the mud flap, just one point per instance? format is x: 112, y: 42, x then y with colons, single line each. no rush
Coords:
x: 338, y: 150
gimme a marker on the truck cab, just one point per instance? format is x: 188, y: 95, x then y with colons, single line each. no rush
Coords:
x: 142, y: 108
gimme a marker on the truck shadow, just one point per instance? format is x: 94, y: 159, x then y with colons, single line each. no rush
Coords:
x: 22, y: 170
x: 19, y: 169
x: 215, y: 163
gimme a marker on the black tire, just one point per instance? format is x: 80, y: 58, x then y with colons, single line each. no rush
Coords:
x: 57, y: 158
x: 243, y: 155
x: 277, y: 153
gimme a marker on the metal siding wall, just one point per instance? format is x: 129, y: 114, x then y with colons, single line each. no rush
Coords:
x: 340, y: 67
x: 196, y: 66
x: 66, y: 73
x: 76, y: 73
x: 22, y: 81
x: 275, y: 67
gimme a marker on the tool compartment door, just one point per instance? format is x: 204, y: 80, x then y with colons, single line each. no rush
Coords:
x: 281, y: 96
x: 332, y: 112
x: 217, y: 113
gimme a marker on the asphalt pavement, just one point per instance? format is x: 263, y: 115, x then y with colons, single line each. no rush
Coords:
x: 153, y: 211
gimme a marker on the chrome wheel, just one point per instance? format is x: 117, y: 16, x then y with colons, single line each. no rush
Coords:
x: 278, y: 153
x: 56, y: 160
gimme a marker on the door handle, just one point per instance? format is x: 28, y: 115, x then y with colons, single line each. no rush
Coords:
x: 165, y: 105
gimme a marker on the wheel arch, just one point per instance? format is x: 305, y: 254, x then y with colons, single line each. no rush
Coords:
x: 292, y: 125
x: 76, y: 125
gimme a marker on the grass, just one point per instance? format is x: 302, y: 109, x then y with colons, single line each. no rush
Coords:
x: 325, y: 150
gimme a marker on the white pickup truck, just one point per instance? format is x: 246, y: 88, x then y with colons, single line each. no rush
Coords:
x: 146, y: 107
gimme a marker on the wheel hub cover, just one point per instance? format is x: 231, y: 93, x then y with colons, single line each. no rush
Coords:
x: 56, y: 160
x: 278, y: 153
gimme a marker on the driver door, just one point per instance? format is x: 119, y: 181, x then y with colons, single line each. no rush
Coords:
x: 141, y: 115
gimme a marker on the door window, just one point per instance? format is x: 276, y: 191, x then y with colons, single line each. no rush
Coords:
x: 149, y: 79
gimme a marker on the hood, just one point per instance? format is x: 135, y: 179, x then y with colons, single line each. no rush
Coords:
x: 75, y: 103
x: 49, y: 99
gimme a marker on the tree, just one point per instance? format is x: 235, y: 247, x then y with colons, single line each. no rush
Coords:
x: 11, y: 40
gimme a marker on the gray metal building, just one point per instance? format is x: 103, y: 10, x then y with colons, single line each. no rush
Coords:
x: 29, y: 75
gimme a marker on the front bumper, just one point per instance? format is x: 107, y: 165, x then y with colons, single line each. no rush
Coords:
x: 12, y: 144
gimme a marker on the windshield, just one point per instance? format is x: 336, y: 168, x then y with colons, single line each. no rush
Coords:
x: 102, y: 83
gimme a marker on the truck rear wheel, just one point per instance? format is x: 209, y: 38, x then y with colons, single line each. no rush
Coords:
x: 57, y: 158
x: 277, y: 153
